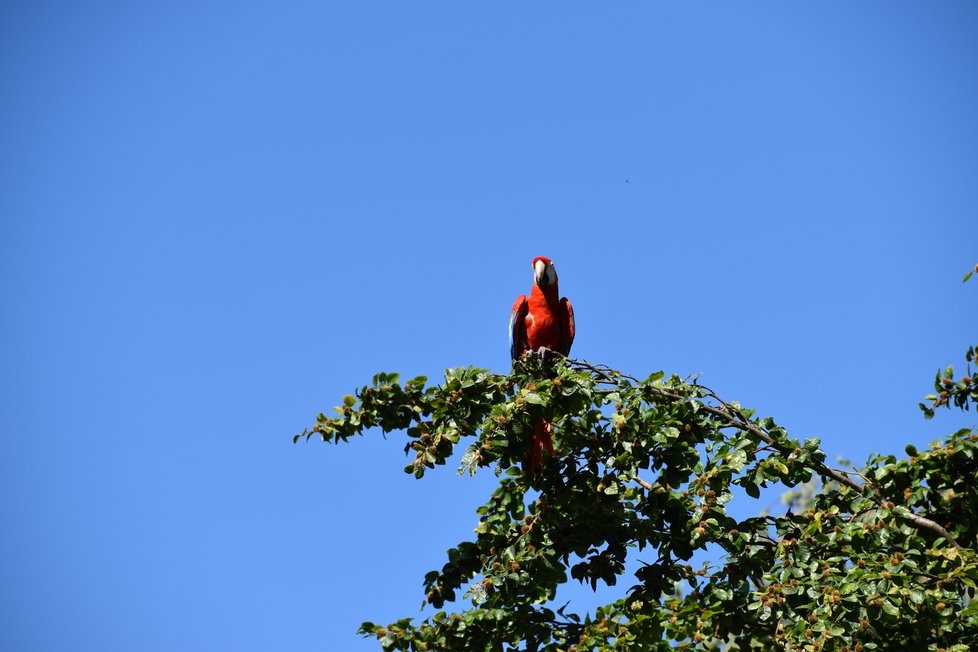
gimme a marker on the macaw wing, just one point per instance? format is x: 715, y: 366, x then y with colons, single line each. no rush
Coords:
x: 566, y: 326
x: 517, y: 327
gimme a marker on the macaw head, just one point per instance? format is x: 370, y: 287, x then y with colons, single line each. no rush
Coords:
x: 544, y: 272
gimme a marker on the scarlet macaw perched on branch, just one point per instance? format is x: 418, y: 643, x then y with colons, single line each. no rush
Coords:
x: 543, y: 320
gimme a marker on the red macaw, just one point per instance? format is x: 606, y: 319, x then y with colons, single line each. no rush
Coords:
x: 543, y: 320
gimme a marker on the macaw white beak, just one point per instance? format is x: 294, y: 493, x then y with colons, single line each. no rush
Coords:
x: 544, y: 274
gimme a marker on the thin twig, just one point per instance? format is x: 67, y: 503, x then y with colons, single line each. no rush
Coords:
x: 858, y: 475
x: 643, y: 483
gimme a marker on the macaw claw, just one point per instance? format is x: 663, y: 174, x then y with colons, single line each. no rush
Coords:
x: 546, y: 355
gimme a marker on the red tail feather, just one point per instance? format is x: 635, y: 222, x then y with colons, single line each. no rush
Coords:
x: 541, y: 441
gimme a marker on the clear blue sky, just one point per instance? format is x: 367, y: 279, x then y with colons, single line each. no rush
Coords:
x: 218, y: 218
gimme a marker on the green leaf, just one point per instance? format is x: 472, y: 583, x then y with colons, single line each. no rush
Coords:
x: 477, y: 592
x: 891, y: 608
x: 751, y: 489
x: 469, y: 461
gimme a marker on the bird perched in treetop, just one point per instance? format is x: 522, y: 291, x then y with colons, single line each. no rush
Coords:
x: 542, y: 320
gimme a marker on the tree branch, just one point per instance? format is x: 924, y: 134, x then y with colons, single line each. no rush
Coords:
x: 643, y: 483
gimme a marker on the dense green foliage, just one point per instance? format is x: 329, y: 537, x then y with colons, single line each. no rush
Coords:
x: 879, y: 559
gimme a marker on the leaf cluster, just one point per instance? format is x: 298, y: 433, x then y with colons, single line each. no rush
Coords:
x: 960, y: 393
x: 645, y: 472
